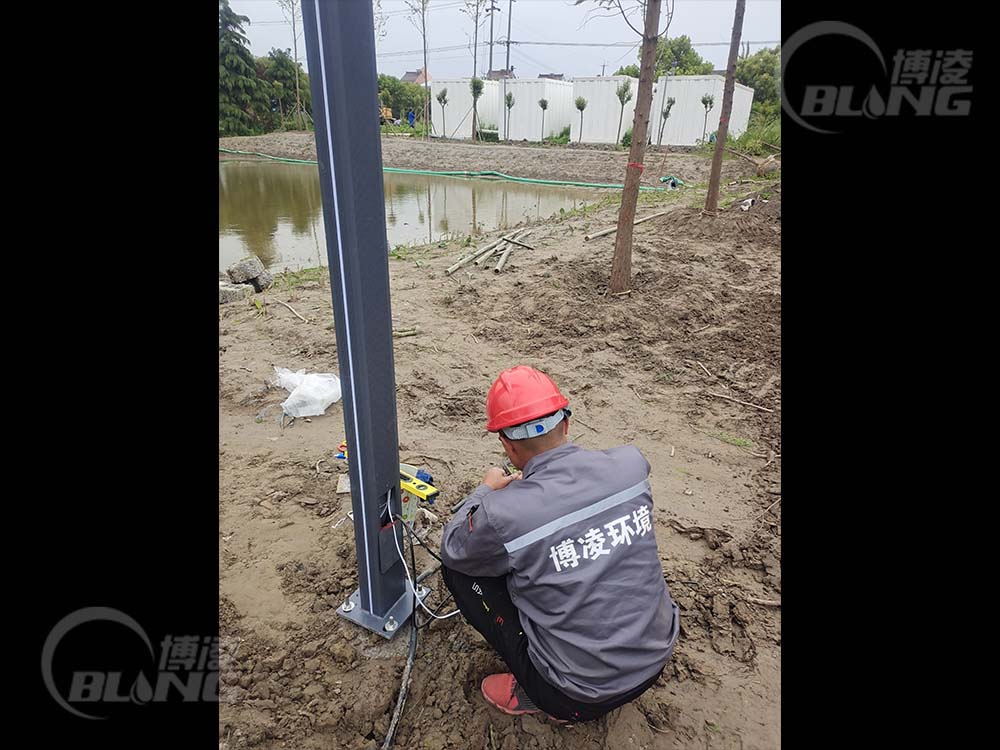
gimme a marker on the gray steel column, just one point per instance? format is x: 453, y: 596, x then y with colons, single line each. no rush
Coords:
x: 340, y: 44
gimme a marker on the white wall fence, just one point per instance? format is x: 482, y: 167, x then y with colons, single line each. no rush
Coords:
x: 686, y: 125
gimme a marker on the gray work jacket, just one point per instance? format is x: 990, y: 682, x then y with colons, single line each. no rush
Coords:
x: 574, y: 537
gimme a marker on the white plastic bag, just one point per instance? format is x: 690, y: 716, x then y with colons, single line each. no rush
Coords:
x: 310, y: 394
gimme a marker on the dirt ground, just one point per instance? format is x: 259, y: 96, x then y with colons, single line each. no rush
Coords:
x: 664, y: 368
x: 535, y: 161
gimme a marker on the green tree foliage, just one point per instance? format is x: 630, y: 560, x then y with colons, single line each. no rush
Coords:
x: 442, y: 98
x: 671, y: 53
x: 762, y: 72
x: 401, y: 96
x: 679, y: 53
x: 476, y: 88
x: 278, y: 69
x: 624, y: 94
x: 244, y: 99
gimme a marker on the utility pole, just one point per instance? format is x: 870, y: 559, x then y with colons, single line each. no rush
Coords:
x: 602, y: 69
x: 506, y: 73
x: 340, y: 37
x: 490, y: 10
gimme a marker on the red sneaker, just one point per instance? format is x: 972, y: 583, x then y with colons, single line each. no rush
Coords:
x: 503, y: 692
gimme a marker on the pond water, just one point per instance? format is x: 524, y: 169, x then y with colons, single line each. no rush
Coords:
x: 275, y: 211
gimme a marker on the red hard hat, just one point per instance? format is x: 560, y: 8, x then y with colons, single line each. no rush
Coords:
x: 519, y: 395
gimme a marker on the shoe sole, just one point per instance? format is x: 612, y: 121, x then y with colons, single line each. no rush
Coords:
x: 508, y: 711
x: 512, y: 712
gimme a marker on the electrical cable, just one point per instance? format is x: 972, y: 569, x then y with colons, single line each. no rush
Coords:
x: 414, y: 538
x: 414, y: 588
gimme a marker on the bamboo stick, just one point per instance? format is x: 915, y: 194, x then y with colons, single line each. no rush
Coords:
x: 502, y: 263
x: 471, y: 256
x: 614, y: 229
x: 509, y: 238
x: 503, y: 259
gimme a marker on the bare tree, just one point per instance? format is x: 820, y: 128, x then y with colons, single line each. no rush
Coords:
x: 292, y: 12
x: 381, y: 22
x: 473, y: 9
x: 544, y: 105
x: 621, y: 264
x: 712, y: 201
x: 419, y: 19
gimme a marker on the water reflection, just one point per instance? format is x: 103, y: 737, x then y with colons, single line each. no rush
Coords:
x: 275, y: 211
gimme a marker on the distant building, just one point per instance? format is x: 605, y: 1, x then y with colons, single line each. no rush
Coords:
x: 416, y: 76
x: 499, y: 75
x: 551, y: 76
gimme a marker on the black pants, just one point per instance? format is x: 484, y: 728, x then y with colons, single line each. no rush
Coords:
x: 485, y: 603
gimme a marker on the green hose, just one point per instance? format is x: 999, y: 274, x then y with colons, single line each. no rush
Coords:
x: 461, y: 173
x: 267, y: 156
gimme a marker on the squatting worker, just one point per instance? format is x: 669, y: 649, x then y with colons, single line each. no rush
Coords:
x: 558, y: 568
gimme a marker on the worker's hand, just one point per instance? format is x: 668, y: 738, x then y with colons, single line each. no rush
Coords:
x: 495, y: 479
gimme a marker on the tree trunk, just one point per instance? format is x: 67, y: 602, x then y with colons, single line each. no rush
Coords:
x: 475, y: 225
x: 618, y: 137
x: 543, y: 126
x: 427, y: 91
x: 580, y: 137
x: 506, y: 72
x: 475, y: 45
x: 444, y: 128
x: 295, y: 51
x: 712, y: 201
x: 621, y: 265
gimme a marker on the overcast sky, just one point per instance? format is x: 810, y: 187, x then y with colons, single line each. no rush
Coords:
x: 532, y: 21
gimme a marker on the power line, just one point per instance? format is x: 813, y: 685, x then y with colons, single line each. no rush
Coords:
x: 411, y: 52
x: 625, y: 44
x: 452, y: 48
x: 407, y: 11
x: 419, y: 58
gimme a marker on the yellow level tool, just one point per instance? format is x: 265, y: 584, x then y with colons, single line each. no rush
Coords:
x: 412, y: 491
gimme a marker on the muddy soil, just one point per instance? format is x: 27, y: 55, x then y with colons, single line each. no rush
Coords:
x: 673, y: 368
x: 539, y: 162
